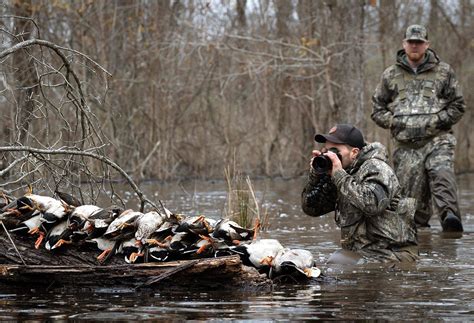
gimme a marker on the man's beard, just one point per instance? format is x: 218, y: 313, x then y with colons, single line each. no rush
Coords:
x: 415, y: 57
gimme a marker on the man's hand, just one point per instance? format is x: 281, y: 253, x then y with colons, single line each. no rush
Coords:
x: 336, y: 163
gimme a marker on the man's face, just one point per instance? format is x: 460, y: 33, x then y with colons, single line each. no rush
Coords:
x: 348, y: 153
x: 415, y: 49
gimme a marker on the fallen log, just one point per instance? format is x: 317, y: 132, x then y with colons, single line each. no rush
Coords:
x: 208, y: 272
x: 76, y: 267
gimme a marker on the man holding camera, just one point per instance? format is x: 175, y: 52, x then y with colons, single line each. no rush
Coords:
x: 419, y: 100
x: 353, y: 179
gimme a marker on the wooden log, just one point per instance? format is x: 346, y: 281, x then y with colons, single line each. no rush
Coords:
x: 76, y: 267
x: 208, y: 272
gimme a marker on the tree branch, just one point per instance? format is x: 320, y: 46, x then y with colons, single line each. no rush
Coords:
x: 105, y: 160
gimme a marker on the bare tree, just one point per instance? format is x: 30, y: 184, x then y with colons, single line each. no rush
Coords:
x: 62, y: 145
x: 197, y: 84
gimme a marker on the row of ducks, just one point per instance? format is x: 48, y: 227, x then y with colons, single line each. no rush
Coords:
x: 144, y: 237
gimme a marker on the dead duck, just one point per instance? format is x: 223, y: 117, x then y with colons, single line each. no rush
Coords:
x: 132, y: 253
x: 146, y: 225
x: 119, y: 230
x: 157, y: 253
x: 110, y: 248
x: 29, y: 206
x: 123, y: 226
x: 230, y: 231
x: 297, y: 263
x: 107, y: 246
x: 258, y: 253
x: 17, y: 211
x: 98, y: 222
x: 81, y: 214
x: 58, y: 235
x: 176, y: 244
x: 206, y: 247
x: 53, y: 210
x: 32, y: 226
x: 71, y: 230
x: 197, y: 225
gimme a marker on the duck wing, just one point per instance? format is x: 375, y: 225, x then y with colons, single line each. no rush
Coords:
x: 243, y: 234
x: 68, y: 198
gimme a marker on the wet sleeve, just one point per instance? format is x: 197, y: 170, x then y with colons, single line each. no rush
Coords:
x: 380, y: 100
x: 373, y: 194
x: 451, y: 96
x: 319, y: 195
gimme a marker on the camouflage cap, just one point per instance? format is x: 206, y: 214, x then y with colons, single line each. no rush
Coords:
x: 416, y: 32
x: 343, y: 134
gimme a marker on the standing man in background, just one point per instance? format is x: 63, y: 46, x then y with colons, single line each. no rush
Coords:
x: 419, y: 100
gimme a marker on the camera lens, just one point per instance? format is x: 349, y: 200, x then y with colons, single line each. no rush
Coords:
x: 322, y: 163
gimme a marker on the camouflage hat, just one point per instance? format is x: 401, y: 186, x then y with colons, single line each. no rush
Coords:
x: 416, y: 32
x: 343, y: 134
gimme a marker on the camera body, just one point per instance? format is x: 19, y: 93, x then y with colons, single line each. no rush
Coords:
x: 323, y: 164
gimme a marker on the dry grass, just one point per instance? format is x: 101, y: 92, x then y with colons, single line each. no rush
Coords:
x: 242, y: 205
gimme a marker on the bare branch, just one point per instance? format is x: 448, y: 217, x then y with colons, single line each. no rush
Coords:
x: 105, y: 160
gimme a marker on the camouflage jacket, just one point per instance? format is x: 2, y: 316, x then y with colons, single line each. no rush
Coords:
x: 366, y: 198
x: 418, y: 105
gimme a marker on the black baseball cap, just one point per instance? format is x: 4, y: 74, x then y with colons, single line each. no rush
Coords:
x: 343, y: 134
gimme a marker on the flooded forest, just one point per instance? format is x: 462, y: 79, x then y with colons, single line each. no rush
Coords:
x: 180, y: 89
x: 210, y: 107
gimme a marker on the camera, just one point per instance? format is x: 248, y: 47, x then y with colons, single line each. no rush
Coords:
x: 322, y: 163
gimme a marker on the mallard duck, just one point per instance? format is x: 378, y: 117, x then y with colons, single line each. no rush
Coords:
x: 206, y: 247
x: 130, y: 250
x: 29, y: 206
x: 52, y: 209
x: 97, y: 223
x: 157, y: 253
x: 231, y: 231
x: 107, y: 246
x: 197, y: 225
x: 32, y: 226
x: 293, y: 262
x: 181, y: 241
x: 123, y: 226
x: 81, y: 214
x: 146, y: 225
x: 17, y: 211
x: 74, y: 230
x: 258, y: 253
x: 176, y: 243
x: 58, y: 235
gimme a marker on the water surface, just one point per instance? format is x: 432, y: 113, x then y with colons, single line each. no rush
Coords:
x: 439, y: 286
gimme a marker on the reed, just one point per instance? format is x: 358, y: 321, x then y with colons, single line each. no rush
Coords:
x: 242, y: 205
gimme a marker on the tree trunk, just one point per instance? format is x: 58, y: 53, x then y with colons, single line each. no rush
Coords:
x: 25, y: 72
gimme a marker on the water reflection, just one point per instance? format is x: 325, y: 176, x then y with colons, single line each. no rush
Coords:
x: 438, y: 287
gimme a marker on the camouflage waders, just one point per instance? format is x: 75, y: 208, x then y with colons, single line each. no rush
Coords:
x: 419, y: 107
x: 427, y: 173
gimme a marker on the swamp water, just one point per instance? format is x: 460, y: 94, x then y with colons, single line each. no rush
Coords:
x: 439, y: 286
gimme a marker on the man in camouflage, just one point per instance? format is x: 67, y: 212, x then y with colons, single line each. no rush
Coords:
x: 419, y: 100
x: 376, y: 223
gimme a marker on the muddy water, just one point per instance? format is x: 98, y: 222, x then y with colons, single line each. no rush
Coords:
x: 439, y: 286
